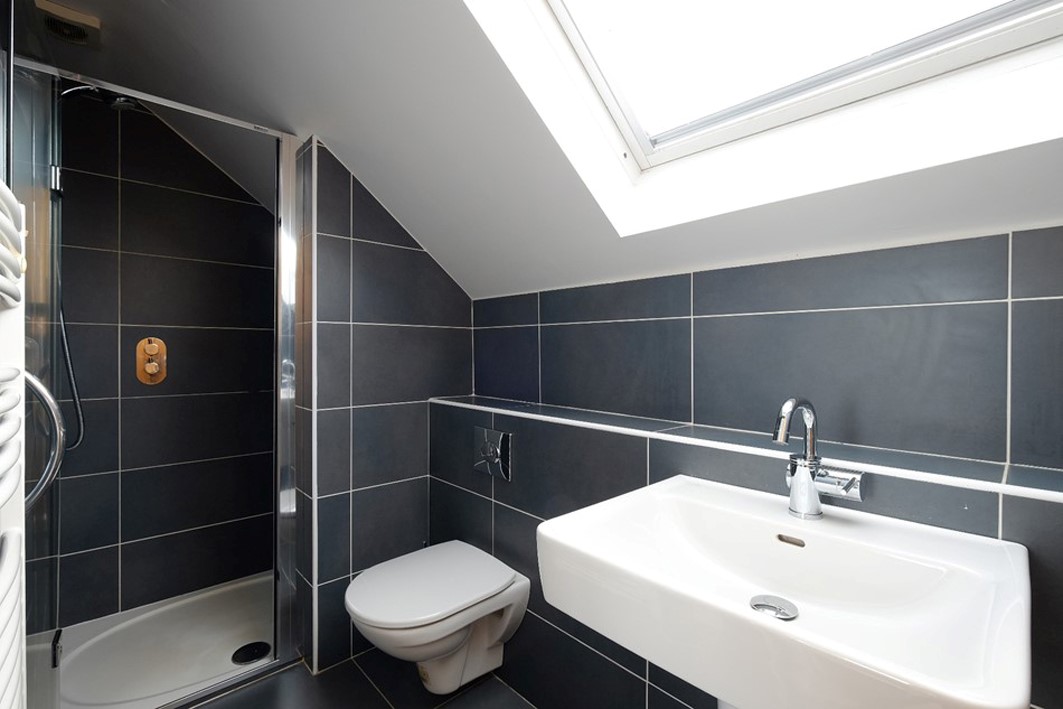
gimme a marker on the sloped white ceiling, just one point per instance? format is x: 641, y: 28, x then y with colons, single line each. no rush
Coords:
x: 414, y: 99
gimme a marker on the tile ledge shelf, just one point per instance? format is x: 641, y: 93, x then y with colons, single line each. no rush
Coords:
x: 660, y: 430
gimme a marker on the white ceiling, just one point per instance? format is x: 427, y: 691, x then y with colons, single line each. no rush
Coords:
x: 414, y: 99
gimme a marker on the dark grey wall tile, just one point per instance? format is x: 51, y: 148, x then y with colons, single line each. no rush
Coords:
x: 167, y: 222
x: 971, y: 269
x: 639, y: 368
x: 88, y: 585
x: 333, y: 279
x: 553, y: 466
x: 389, y: 443
x: 507, y: 362
x: 457, y: 514
x: 333, y: 625
x: 508, y: 310
x: 688, y: 693
x: 90, y: 135
x: 153, y: 153
x: 177, y: 497
x: 201, y: 360
x: 94, y: 356
x: 90, y: 210
x: 98, y: 451
x: 176, y: 292
x: 891, y: 377
x: 333, y: 451
x: 749, y: 471
x: 538, y: 651
x: 304, y: 535
x: 333, y: 194
x: 452, y: 451
x: 304, y: 608
x: 515, y: 545
x: 192, y: 425
x: 90, y: 285
x: 656, y: 699
x: 953, y: 467
x: 304, y: 436
x: 1036, y: 477
x: 397, y: 364
x: 42, y: 523
x: 390, y: 285
x: 668, y: 296
x: 334, y: 365
x: 1038, y: 525
x: 1036, y: 382
x: 170, y: 565
x: 42, y: 578
x: 333, y: 537
x: 1036, y: 262
x: 89, y: 512
x: 372, y: 222
x: 388, y: 521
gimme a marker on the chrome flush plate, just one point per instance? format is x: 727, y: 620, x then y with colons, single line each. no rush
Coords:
x: 491, y: 452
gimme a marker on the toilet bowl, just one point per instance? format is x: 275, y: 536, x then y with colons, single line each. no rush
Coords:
x: 449, y: 607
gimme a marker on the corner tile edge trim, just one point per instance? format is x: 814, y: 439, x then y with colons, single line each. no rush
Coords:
x: 903, y: 473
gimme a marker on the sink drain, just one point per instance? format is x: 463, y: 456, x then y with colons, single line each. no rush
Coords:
x: 252, y: 652
x: 774, y: 606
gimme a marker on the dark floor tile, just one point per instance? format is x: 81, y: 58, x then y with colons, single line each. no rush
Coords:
x: 42, y: 577
x: 167, y: 566
x: 333, y: 451
x: 333, y: 279
x: 155, y: 154
x: 388, y: 521
x: 550, y: 669
x: 398, y: 364
x: 295, y: 688
x: 453, y: 452
x: 665, y: 297
x: 89, y: 512
x: 390, y: 285
x: 193, y: 425
x: 1036, y: 262
x: 88, y: 585
x: 333, y: 537
x: 94, y: 357
x: 334, y: 365
x: 89, y: 210
x: 891, y: 377
x: 388, y: 443
x: 1038, y: 525
x: 507, y: 363
x: 333, y: 624
x: 371, y: 221
x: 89, y: 285
x: 508, y: 310
x: 550, y: 463
x: 177, y: 497
x: 971, y: 269
x: 638, y: 368
x: 90, y: 135
x: 176, y: 292
x: 492, y: 693
x: 457, y: 514
x: 333, y: 194
x: 677, y: 688
x: 167, y: 222
x: 515, y: 545
x: 398, y: 681
x: 98, y: 451
x: 201, y: 360
x: 1036, y: 380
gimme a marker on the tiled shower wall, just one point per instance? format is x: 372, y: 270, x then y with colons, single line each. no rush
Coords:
x: 383, y: 329
x: 171, y: 490
x: 948, y: 349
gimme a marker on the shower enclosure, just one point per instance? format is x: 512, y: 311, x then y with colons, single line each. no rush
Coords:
x: 160, y: 311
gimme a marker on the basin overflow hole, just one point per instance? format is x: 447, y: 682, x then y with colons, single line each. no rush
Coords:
x: 787, y: 539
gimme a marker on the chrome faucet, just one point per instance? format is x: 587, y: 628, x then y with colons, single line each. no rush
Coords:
x: 804, y: 498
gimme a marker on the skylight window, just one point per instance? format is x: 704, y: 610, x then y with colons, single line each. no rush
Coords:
x: 680, y: 76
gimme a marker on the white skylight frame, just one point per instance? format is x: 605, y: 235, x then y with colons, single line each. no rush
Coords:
x: 1006, y: 28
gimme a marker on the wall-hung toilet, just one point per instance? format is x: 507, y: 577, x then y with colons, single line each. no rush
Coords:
x: 448, y: 607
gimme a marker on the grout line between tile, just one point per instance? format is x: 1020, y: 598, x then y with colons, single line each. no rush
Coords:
x: 169, y: 257
x: 121, y: 179
x: 594, y: 650
x: 370, y: 680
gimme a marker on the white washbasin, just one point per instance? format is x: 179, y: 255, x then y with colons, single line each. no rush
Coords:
x: 892, y: 614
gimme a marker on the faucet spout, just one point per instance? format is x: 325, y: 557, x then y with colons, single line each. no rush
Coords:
x: 803, y: 469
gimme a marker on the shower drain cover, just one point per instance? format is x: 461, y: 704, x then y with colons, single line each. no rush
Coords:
x: 249, y: 653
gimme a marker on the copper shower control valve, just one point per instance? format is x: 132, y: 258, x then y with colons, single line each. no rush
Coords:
x: 151, y: 361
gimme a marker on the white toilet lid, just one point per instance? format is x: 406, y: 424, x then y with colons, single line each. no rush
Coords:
x: 425, y: 586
